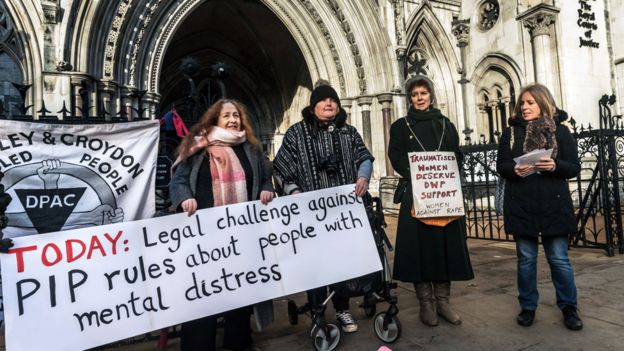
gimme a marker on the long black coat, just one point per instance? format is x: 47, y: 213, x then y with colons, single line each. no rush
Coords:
x: 539, y: 204
x: 424, y: 252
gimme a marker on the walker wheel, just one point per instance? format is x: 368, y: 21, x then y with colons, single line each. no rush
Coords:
x: 327, y: 338
x: 392, y: 332
x: 293, y: 313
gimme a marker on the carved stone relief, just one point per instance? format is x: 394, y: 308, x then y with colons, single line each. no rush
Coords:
x: 399, y: 22
x: 146, y: 16
x: 113, y: 35
x: 461, y: 31
x: 489, y: 11
x: 417, y: 63
x: 51, y: 9
x: 355, y: 51
x: 539, y: 23
x: 330, y: 41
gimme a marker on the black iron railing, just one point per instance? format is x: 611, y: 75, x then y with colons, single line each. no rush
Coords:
x: 597, y: 192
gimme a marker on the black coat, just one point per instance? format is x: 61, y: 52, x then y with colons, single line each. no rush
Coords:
x: 424, y: 252
x: 539, y: 204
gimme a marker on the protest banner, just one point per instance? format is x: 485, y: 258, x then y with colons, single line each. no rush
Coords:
x: 436, y: 184
x: 86, y: 287
x: 72, y: 176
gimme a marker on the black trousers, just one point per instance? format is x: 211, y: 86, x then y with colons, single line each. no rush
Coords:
x: 318, y: 295
x: 200, y: 334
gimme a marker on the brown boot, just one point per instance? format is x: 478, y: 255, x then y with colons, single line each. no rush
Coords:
x: 442, y: 294
x: 424, y: 292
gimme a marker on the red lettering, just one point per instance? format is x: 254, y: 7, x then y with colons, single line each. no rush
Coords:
x: 19, y: 255
x: 95, y: 245
x: 113, y: 240
x: 69, y: 247
x: 44, y: 255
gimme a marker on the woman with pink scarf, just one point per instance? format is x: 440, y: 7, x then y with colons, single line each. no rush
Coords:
x: 221, y: 163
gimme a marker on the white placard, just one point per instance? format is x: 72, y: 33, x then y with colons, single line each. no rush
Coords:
x: 87, y: 287
x: 436, y: 184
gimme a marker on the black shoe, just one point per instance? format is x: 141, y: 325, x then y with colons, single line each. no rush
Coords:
x: 571, y: 318
x: 525, y: 318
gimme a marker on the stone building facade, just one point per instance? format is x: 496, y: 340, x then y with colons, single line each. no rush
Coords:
x: 155, y: 55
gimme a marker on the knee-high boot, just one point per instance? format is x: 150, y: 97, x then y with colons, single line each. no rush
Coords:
x: 424, y: 292
x: 442, y: 292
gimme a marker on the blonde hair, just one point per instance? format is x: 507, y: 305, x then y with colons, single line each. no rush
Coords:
x: 210, y: 119
x: 543, y: 98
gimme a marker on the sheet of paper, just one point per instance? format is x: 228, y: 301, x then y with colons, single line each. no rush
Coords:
x: 532, y: 158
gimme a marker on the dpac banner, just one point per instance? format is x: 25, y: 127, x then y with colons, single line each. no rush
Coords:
x: 436, y: 184
x: 86, y: 287
x: 72, y: 176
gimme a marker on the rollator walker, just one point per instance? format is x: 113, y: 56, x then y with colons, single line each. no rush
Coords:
x: 375, y: 287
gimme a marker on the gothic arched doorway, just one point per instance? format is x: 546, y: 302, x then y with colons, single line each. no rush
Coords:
x: 243, y: 51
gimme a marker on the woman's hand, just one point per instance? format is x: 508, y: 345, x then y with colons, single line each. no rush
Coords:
x: 546, y: 164
x: 361, y: 186
x: 189, y: 206
x: 266, y: 196
x: 523, y: 170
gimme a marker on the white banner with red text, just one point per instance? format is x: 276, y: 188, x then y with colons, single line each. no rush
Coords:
x: 87, y: 287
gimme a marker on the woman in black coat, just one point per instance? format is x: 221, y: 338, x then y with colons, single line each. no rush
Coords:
x: 426, y: 255
x: 537, y: 199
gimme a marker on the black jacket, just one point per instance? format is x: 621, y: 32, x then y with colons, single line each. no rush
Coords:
x: 539, y: 204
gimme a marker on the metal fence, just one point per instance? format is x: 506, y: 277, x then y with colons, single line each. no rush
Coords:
x: 597, y: 192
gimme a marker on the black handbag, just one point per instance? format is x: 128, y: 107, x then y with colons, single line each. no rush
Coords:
x: 399, y: 191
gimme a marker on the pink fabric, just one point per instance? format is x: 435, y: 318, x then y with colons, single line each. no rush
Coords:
x: 179, y: 125
x: 229, y: 185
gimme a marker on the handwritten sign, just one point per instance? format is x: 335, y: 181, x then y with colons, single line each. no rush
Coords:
x: 436, y: 184
x: 86, y: 287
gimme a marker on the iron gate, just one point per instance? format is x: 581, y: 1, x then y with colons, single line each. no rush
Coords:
x: 597, y: 192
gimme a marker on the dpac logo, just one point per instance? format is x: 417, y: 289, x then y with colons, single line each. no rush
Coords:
x: 57, y: 195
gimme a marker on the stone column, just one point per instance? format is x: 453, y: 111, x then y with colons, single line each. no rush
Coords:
x: 538, y: 20
x: 505, y: 112
x: 51, y: 11
x: 346, y: 105
x: 365, y: 105
x: 461, y: 30
x: 79, y: 96
x: 386, y: 113
x: 107, y: 90
x: 492, y: 111
x: 399, y: 28
x: 125, y: 103
x: 150, y: 103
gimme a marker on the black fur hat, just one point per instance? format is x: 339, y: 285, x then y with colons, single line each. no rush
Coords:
x: 321, y: 93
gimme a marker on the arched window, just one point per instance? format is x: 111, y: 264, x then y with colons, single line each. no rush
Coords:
x: 10, y: 69
x: 496, y: 102
x: 9, y: 95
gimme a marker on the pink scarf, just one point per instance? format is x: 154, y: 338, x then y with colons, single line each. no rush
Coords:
x: 229, y: 185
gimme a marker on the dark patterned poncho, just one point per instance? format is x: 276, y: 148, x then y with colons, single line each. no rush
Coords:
x: 314, y: 158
